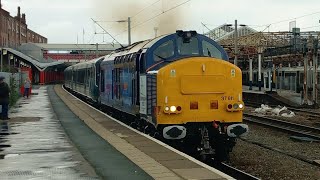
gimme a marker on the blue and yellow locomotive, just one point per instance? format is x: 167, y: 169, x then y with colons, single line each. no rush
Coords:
x: 179, y: 85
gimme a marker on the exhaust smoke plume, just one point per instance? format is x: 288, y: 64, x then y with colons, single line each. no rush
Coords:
x: 110, y: 11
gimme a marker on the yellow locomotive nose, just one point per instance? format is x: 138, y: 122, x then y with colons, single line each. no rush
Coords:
x: 199, y: 89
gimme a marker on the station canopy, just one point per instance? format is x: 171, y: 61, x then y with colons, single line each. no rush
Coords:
x: 41, y: 66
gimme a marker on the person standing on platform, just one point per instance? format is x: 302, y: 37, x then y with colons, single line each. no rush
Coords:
x: 4, y: 98
x: 27, y: 85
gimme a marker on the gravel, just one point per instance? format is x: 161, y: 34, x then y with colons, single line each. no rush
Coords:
x: 269, y: 164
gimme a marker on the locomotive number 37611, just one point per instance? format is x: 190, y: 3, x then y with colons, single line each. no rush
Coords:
x: 229, y: 98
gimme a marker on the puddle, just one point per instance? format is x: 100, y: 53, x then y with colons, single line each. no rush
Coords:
x: 24, y: 119
x: 4, y: 145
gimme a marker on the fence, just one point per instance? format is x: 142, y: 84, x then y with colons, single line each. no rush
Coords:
x: 14, y: 80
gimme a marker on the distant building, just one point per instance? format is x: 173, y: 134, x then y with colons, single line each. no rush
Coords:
x: 72, y: 53
x: 14, y: 30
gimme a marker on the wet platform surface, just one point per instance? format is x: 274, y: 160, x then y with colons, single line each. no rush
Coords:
x: 33, y: 145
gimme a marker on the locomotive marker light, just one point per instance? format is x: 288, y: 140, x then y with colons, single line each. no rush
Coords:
x: 240, y: 106
x: 167, y: 108
x: 173, y: 108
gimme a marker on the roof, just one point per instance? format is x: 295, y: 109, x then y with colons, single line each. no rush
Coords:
x: 39, y: 65
x: 79, y: 47
x: 135, y: 47
x: 242, y: 31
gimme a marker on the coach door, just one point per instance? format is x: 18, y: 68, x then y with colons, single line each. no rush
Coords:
x: 142, y: 85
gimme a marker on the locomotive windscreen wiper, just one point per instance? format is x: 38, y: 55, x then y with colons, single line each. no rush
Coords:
x: 160, y: 57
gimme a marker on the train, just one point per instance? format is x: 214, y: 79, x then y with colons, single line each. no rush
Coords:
x: 179, y: 86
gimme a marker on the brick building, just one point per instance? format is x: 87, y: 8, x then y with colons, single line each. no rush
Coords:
x: 14, y: 30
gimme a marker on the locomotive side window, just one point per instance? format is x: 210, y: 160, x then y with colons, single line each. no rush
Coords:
x: 164, y: 51
x: 210, y: 50
x: 189, y: 47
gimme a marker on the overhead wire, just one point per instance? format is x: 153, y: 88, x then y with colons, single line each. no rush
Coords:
x: 163, y: 12
x: 290, y: 19
x: 145, y: 8
x: 284, y: 20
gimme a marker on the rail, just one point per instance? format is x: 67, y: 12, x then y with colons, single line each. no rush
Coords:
x: 290, y: 127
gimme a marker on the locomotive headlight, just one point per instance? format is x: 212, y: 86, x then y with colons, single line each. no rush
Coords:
x: 166, y: 108
x: 235, y: 106
x: 173, y: 108
x: 240, y: 106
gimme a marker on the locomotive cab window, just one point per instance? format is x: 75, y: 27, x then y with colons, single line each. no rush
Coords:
x: 210, y: 50
x: 188, y: 46
x: 164, y: 51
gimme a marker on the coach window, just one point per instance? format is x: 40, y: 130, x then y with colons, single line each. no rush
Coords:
x: 81, y: 76
x: 188, y: 47
x: 164, y: 51
x: 210, y: 50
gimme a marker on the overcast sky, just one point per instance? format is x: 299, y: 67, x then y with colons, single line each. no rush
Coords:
x: 69, y: 21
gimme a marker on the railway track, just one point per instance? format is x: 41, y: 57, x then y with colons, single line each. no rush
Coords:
x: 223, y: 167
x: 310, y: 112
x: 292, y: 128
x: 289, y: 127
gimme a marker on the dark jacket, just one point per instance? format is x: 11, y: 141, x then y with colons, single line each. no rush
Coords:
x: 4, y: 93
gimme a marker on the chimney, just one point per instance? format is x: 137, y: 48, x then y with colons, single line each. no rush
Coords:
x: 19, y: 15
x: 23, y: 17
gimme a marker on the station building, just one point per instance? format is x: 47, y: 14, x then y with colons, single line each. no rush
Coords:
x: 14, y: 30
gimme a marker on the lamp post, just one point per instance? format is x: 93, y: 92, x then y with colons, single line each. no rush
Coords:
x: 235, y: 36
x: 260, y: 50
x: 129, y: 28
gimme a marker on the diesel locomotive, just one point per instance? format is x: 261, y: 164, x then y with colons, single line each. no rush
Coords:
x: 180, y: 86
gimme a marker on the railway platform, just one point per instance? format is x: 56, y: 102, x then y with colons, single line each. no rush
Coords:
x: 33, y: 144
x: 274, y: 97
x: 54, y: 135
